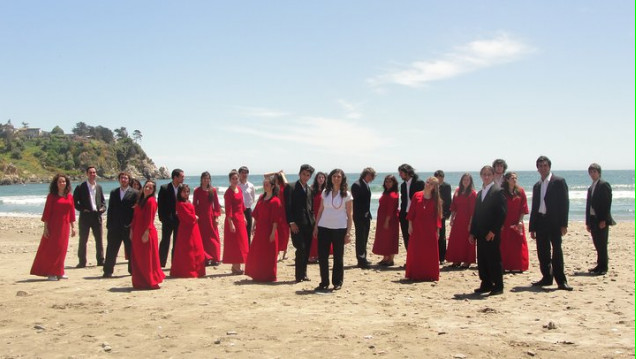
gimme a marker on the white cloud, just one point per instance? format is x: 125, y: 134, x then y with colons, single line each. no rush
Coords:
x: 470, y: 57
x: 352, y: 110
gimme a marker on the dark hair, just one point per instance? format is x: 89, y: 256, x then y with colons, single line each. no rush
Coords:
x: 272, y: 181
x: 499, y: 161
x: 510, y: 192
x: 435, y: 194
x: 595, y: 166
x: 142, y: 198
x: 468, y: 190
x: 232, y: 173
x: 394, y: 184
x: 439, y: 173
x: 279, y: 179
x: 343, y: 185
x: 406, y: 168
x: 243, y: 169
x: 123, y: 174
x: 306, y: 167
x: 487, y: 168
x: 134, y: 182
x: 89, y: 167
x: 182, y: 188
x: 367, y: 171
x: 205, y: 174
x: 176, y: 172
x: 53, y: 185
x: 544, y: 159
x: 315, y: 187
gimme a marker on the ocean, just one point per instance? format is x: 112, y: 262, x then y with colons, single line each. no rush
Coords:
x: 28, y: 200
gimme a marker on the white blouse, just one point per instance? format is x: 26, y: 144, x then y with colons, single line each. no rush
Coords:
x: 334, y: 212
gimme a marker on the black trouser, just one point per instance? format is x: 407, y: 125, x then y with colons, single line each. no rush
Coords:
x: 90, y: 221
x: 168, y: 228
x: 489, y: 263
x: 549, y: 240
x: 362, y: 237
x: 302, y: 243
x: 600, y: 237
x: 114, y: 238
x: 248, y: 224
x: 441, y: 241
x: 326, y: 238
x: 404, y: 226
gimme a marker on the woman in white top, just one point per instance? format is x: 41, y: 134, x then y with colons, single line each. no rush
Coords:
x: 333, y: 226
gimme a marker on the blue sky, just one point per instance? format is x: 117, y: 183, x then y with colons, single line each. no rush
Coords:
x: 215, y: 85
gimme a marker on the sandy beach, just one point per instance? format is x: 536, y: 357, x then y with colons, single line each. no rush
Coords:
x: 375, y: 314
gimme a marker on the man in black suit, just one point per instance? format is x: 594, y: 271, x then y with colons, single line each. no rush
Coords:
x: 485, y: 228
x: 598, y: 216
x: 167, y: 208
x: 361, y: 193
x: 445, y: 195
x: 549, y: 223
x: 300, y: 215
x: 118, y: 219
x: 412, y: 183
x: 89, y: 201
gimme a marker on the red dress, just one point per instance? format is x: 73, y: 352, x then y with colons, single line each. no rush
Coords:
x: 514, y: 247
x: 208, y: 209
x: 59, y: 213
x: 145, y: 264
x: 283, y: 228
x: 422, y: 256
x: 188, y: 260
x: 459, y: 248
x: 263, y: 255
x: 235, y: 244
x: 387, y: 239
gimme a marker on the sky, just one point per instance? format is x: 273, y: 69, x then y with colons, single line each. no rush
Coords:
x: 213, y: 85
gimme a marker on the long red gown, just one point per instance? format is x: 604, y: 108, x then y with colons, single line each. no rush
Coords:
x: 263, y: 256
x: 514, y: 247
x: 145, y: 264
x: 459, y: 248
x: 59, y: 213
x: 208, y: 209
x: 422, y: 256
x: 188, y: 260
x: 387, y: 239
x: 283, y: 228
x: 235, y: 247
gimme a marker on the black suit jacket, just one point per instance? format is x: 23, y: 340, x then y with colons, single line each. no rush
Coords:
x: 489, y: 214
x: 167, y: 204
x: 82, y: 198
x: 557, y: 203
x: 299, y: 206
x: 445, y: 195
x: 416, y: 186
x: 601, y: 201
x: 120, y: 210
x: 361, y: 200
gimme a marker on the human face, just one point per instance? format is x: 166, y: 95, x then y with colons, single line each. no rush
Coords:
x: 267, y: 185
x: 185, y: 193
x: 499, y: 169
x: 487, y: 177
x: 124, y: 181
x: 234, y: 180
x: 336, y: 179
x: 149, y: 188
x: 388, y: 183
x: 404, y: 176
x: 179, y: 178
x: 594, y: 175
x: 61, y: 184
x: 512, y: 181
x: 321, y: 179
x: 543, y: 168
x: 205, y: 181
x: 243, y: 176
x: 304, y: 176
x: 91, y: 174
x: 466, y: 181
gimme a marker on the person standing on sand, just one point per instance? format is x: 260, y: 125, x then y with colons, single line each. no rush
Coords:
x: 300, y: 216
x: 362, y: 214
x: 89, y: 202
x: 445, y: 195
x: 500, y: 166
x: 249, y: 196
x: 549, y: 223
x: 598, y: 216
x: 167, y: 201
x: 412, y: 183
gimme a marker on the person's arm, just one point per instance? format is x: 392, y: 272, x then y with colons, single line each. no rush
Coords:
x: 318, y: 218
x: 349, y: 209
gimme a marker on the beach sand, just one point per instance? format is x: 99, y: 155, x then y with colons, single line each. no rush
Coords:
x: 375, y: 314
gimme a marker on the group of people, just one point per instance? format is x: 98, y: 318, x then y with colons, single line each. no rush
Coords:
x: 487, y: 227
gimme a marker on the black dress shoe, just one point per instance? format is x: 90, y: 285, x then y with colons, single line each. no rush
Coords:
x: 542, y: 283
x: 593, y: 270
x: 483, y: 290
x: 100, y: 264
x: 364, y: 265
x: 565, y: 286
x: 80, y: 265
x: 337, y: 287
x: 496, y: 291
x: 306, y: 279
x: 321, y: 288
x: 600, y: 272
x: 107, y: 275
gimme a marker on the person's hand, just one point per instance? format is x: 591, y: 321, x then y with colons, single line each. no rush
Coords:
x: 144, y: 237
x: 347, y: 238
x: 72, y: 232
x: 386, y: 224
x: 602, y: 224
x: 533, y: 235
x: 564, y: 231
x: 315, y: 232
x: 490, y: 236
x: 272, y: 237
x: 231, y: 225
x: 294, y: 228
x: 471, y: 239
x: 588, y: 228
x: 45, y: 233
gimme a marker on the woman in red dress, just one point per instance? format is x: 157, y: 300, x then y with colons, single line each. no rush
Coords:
x: 460, y: 251
x: 514, y: 247
x: 145, y: 264
x: 59, y: 219
x: 387, y: 229
x: 283, y: 230
x: 235, y: 247
x: 320, y: 179
x: 267, y: 215
x: 188, y: 260
x: 208, y: 209
x: 424, y: 216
